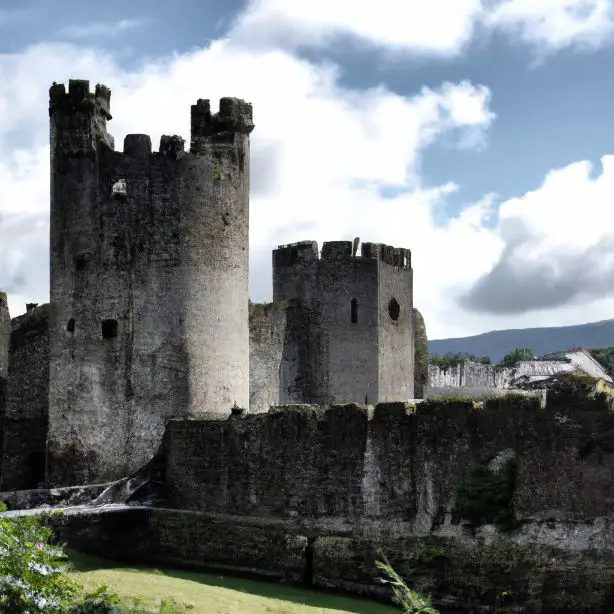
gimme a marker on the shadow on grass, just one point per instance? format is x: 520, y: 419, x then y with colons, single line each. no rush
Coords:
x: 314, y: 598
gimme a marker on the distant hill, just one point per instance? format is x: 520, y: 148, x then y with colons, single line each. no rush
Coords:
x: 542, y: 341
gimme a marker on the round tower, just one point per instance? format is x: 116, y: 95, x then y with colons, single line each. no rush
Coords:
x: 149, y: 282
x: 214, y: 231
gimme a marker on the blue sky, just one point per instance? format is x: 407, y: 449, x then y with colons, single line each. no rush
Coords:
x: 472, y: 132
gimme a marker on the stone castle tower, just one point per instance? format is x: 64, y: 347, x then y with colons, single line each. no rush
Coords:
x: 149, y: 281
x: 352, y: 321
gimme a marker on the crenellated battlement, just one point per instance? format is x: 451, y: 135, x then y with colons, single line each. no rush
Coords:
x: 172, y: 146
x: 137, y: 145
x: 295, y: 253
x: 234, y: 117
x: 306, y: 252
x: 79, y: 97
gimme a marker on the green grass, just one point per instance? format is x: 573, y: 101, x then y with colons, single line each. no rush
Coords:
x: 213, y: 593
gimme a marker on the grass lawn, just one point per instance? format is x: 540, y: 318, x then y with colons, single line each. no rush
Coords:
x: 213, y: 593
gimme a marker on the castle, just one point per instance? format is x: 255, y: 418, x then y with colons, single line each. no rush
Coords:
x: 148, y: 381
x: 149, y: 316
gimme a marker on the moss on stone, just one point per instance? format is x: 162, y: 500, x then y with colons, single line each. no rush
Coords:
x: 485, y: 496
x: 257, y: 310
x: 578, y: 391
x: 449, y: 400
x: 217, y: 171
x: 32, y: 320
x: 303, y: 409
x: 421, y: 355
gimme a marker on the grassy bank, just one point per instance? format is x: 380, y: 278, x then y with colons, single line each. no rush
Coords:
x: 213, y: 593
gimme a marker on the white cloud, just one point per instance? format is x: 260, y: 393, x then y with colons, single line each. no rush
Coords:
x: 101, y: 28
x: 438, y: 27
x: 551, y: 25
x: 388, y: 23
x: 321, y: 156
x: 555, y: 254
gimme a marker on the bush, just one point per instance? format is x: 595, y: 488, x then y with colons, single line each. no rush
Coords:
x: 409, y: 600
x: 515, y: 356
x: 34, y: 572
x: 451, y: 360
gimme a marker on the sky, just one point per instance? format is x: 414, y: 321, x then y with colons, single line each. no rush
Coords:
x: 476, y: 133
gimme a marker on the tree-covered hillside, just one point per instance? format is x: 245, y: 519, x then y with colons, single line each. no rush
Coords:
x: 496, y: 344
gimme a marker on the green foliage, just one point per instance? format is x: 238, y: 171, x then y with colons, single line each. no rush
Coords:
x: 168, y: 606
x: 32, y: 568
x: 605, y: 356
x: 217, y: 171
x: 409, y: 600
x: 485, y: 496
x: 452, y: 359
x: 421, y: 355
x: 516, y: 355
x: 34, y: 575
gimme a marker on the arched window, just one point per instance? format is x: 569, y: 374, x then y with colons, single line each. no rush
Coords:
x: 354, y: 310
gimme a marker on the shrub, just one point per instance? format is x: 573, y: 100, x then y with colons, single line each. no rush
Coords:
x: 409, y: 600
x: 34, y: 572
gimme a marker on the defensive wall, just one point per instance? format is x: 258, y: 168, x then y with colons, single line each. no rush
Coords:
x: 275, y: 331
x: 505, y: 504
x: 478, y: 380
x: 149, y: 258
x: 24, y: 409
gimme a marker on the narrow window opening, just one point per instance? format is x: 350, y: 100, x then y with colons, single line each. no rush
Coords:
x: 80, y: 262
x: 354, y: 310
x: 109, y: 329
x: 70, y: 327
x: 394, y: 309
x: 308, y: 577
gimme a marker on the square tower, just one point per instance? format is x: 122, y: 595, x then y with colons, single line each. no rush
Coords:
x: 350, y: 334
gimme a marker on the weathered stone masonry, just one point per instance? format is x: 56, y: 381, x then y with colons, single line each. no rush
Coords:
x: 149, y: 281
x: 5, y: 340
x: 311, y: 493
x: 25, y: 417
x: 392, y: 464
x: 348, y: 324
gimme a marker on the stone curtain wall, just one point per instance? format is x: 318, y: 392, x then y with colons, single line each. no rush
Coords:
x: 5, y: 339
x: 268, y: 327
x: 421, y: 356
x: 462, y: 577
x: 315, y: 495
x: 394, y: 466
x: 24, y: 424
x: 472, y: 375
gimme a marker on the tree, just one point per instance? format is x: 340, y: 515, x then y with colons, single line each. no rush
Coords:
x: 34, y: 572
x: 516, y: 355
x: 450, y: 359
